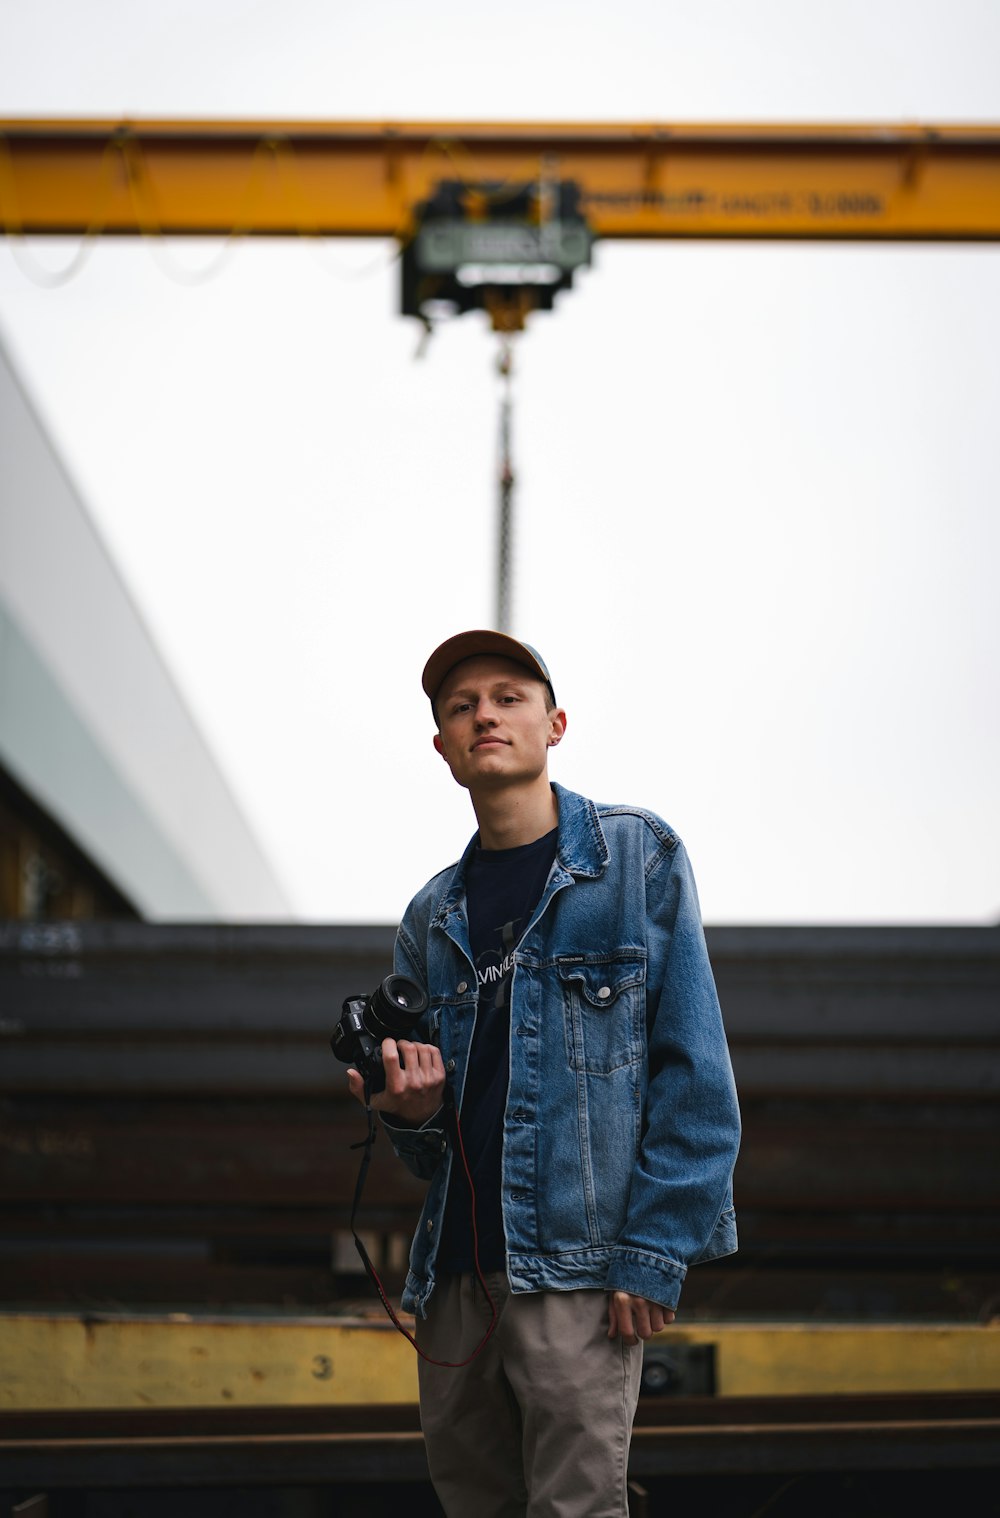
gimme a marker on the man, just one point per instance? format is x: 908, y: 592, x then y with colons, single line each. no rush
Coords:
x: 574, y: 1014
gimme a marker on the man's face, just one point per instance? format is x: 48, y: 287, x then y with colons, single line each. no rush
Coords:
x: 494, y: 728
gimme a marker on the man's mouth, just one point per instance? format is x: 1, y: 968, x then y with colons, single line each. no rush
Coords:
x: 489, y: 743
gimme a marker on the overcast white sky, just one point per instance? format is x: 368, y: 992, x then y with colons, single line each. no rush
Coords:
x: 758, y: 530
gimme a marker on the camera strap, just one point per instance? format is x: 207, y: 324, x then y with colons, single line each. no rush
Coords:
x: 454, y: 1126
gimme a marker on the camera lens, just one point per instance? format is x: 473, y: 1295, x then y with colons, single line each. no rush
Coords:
x: 395, y: 1007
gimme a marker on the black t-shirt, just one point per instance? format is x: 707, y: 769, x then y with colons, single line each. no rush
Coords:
x: 502, y: 887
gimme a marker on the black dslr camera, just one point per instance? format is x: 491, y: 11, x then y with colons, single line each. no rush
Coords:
x: 392, y: 1011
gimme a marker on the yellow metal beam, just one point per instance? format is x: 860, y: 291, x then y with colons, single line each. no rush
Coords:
x: 364, y: 179
x: 64, y: 1361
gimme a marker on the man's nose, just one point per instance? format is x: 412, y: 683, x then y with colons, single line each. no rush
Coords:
x: 485, y: 714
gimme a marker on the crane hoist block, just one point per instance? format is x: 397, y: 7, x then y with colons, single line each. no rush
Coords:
x: 506, y: 249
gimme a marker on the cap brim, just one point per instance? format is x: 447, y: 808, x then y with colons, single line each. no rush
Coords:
x: 467, y: 645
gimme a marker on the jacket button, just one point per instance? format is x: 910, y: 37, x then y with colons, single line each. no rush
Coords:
x: 463, y: 985
x: 430, y: 1225
x: 604, y: 993
x: 450, y: 1067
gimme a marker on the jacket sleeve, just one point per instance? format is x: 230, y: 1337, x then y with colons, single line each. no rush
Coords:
x: 420, y: 1149
x: 680, y: 1202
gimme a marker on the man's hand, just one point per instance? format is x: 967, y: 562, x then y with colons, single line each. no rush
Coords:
x: 414, y: 1081
x: 635, y: 1318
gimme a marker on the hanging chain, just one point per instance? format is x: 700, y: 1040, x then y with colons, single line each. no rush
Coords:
x: 505, y: 512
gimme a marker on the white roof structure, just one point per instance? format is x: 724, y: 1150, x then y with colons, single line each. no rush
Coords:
x: 92, y: 725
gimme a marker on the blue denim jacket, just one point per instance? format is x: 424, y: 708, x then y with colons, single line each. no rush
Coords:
x: 621, y: 1126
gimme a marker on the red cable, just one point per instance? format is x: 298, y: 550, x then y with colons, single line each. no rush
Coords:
x: 373, y: 1275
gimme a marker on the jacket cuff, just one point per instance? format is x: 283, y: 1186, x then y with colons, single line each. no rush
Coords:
x: 416, y: 1143
x: 652, y: 1276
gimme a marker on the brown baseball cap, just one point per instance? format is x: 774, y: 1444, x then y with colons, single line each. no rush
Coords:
x: 481, y: 641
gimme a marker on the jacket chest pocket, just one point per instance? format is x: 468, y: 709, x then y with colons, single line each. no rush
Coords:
x: 603, y: 1013
x: 448, y: 1024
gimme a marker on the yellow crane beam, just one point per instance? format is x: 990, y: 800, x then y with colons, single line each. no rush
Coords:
x: 850, y: 182
x: 116, y: 1360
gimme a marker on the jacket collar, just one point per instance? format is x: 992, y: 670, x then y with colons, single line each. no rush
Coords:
x: 581, y: 849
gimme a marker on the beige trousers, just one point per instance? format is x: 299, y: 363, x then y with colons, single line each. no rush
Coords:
x: 538, y: 1426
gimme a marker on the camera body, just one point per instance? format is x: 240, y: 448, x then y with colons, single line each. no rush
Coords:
x: 393, y: 1010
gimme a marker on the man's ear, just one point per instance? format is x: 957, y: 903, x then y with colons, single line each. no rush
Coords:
x: 557, y: 726
x: 438, y: 744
